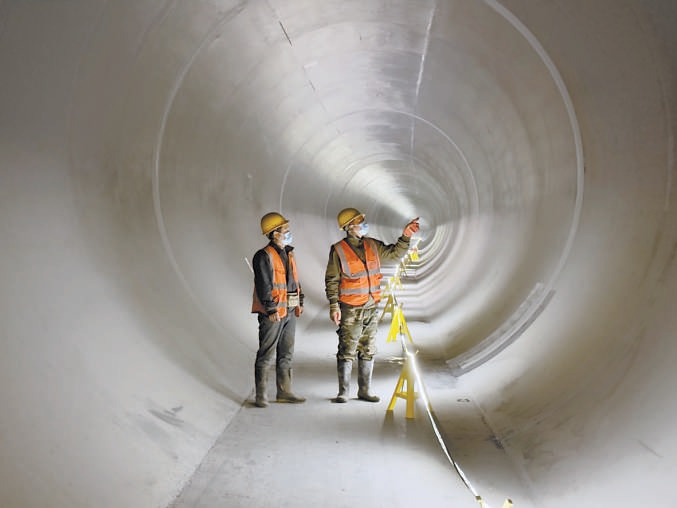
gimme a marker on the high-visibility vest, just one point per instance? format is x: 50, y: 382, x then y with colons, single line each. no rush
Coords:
x: 359, y: 279
x: 279, y: 291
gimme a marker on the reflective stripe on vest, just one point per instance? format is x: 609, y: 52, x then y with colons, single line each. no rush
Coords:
x: 359, y: 279
x: 279, y: 290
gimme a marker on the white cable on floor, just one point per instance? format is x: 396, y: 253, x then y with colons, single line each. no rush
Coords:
x: 434, y: 423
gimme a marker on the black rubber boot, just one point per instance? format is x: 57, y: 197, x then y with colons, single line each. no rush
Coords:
x: 260, y: 384
x: 344, y: 369
x: 364, y: 370
x: 284, y: 393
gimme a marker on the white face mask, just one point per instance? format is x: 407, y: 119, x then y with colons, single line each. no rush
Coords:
x: 287, y: 238
x: 364, y: 228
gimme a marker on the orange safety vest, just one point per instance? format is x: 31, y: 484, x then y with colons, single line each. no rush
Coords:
x: 279, y: 291
x: 359, y: 279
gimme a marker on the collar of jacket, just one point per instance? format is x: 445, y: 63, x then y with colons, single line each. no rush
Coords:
x: 287, y: 248
x: 354, y: 241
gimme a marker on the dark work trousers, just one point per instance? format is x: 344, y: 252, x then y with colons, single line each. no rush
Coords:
x: 276, y: 336
x: 357, y: 333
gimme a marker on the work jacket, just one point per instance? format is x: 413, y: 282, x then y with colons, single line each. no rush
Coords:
x: 271, y: 281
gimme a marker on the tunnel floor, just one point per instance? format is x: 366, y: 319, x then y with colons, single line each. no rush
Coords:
x: 356, y: 454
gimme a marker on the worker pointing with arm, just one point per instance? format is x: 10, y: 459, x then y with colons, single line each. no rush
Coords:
x: 352, y: 285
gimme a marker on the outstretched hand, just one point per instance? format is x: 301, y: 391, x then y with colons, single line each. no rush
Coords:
x: 411, y: 228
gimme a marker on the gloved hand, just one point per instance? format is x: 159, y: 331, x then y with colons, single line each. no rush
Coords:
x: 335, y: 313
x: 411, y: 228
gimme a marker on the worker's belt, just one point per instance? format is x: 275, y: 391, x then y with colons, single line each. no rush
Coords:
x: 292, y: 300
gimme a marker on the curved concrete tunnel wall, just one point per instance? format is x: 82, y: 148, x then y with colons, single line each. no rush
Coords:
x: 141, y: 142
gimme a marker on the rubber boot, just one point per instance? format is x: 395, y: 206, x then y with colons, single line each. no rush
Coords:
x: 344, y: 369
x: 284, y: 393
x: 364, y: 370
x: 260, y: 384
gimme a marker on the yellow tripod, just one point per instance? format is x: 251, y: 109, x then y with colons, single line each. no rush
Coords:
x: 390, y: 305
x: 407, y: 376
x: 398, y: 325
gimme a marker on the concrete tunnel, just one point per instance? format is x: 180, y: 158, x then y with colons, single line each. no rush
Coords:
x: 142, y: 140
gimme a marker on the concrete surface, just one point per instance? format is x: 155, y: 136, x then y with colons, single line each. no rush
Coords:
x: 142, y: 140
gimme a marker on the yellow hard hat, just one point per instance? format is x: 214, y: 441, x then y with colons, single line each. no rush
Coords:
x: 348, y: 215
x: 271, y: 221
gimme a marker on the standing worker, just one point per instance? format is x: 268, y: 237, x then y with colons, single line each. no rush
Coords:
x: 352, y: 284
x: 278, y: 301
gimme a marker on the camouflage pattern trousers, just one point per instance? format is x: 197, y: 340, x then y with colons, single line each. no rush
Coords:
x: 357, y: 332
